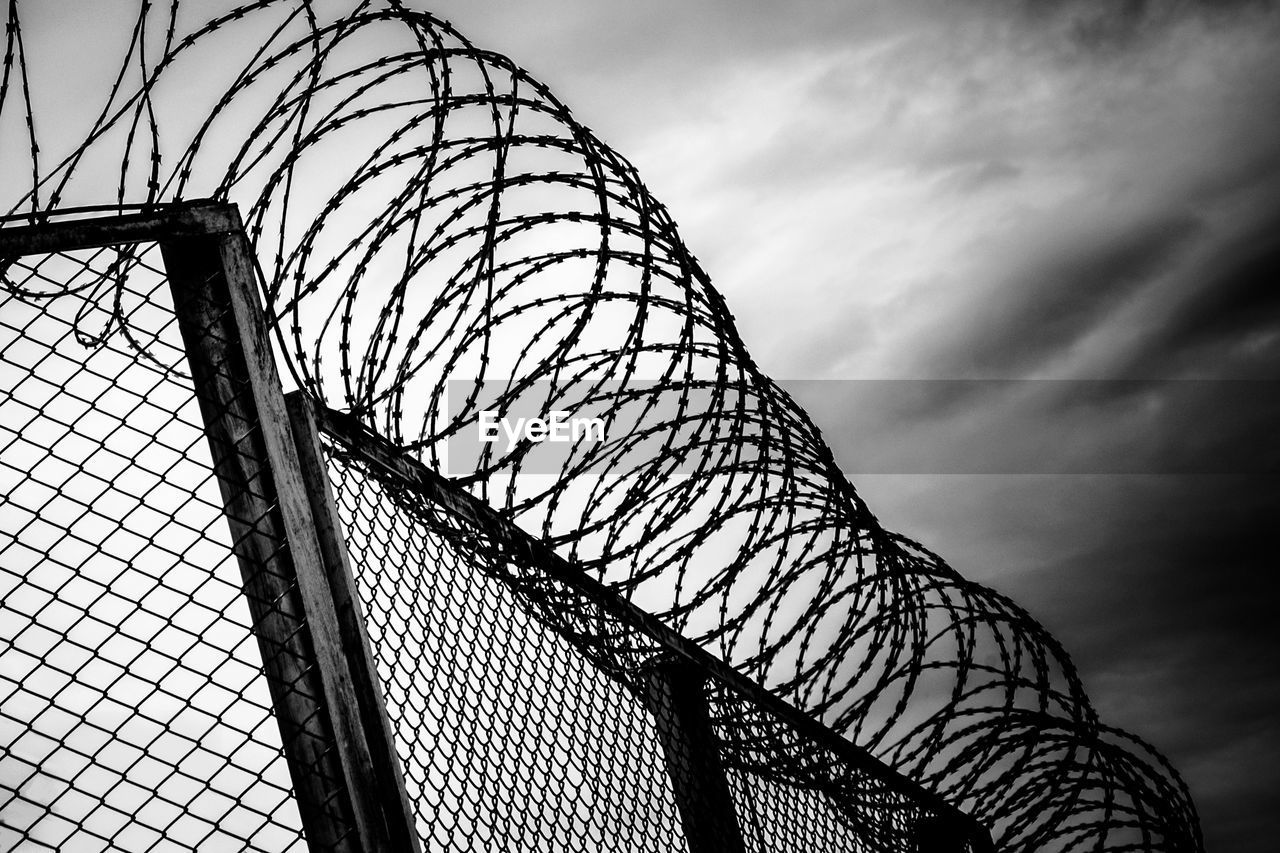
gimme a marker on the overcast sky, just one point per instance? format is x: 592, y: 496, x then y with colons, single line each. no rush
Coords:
x: 1016, y: 191
x: 1073, y: 208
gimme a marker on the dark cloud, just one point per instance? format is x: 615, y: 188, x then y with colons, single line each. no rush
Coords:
x: 1229, y: 324
x: 1069, y: 427
x: 1102, y: 26
x: 1052, y: 302
x: 1111, y: 25
x: 1169, y: 612
x: 1161, y: 589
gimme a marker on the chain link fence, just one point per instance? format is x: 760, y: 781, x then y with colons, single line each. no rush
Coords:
x: 577, y: 722
x: 234, y: 621
x: 512, y: 739
x: 133, y: 710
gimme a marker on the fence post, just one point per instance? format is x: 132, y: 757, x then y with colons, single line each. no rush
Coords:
x: 341, y: 794
x: 677, y: 697
x: 388, y: 780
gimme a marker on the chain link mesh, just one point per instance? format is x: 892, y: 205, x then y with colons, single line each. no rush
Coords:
x: 534, y: 711
x: 510, y: 738
x: 133, y: 710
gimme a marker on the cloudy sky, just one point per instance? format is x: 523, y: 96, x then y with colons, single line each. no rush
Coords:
x: 1019, y: 260
x: 1066, y: 216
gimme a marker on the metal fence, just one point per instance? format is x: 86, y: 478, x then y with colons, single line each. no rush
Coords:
x: 583, y: 723
x: 235, y: 620
x: 133, y: 711
x: 428, y: 214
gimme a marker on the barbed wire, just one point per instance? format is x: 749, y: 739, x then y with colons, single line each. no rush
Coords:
x: 438, y: 236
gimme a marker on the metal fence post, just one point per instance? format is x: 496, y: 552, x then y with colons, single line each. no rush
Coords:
x: 678, y: 699
x: 387, y: 777
x: 347, y: 799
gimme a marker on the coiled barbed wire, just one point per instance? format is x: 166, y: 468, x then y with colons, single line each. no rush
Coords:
x: 438, y: 236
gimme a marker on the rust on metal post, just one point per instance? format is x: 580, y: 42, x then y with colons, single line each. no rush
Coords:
x: 677, y: 697
x: 274, y: 536
x: 386, y: 789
